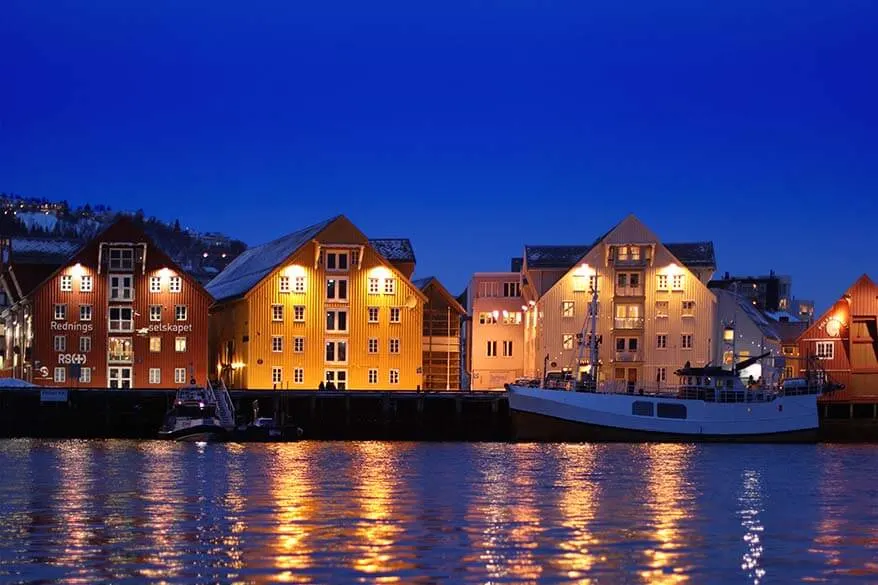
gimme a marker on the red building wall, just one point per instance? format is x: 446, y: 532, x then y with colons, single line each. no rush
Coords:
x: 149, y: 262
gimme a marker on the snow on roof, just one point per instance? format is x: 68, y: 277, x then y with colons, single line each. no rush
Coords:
x: 49, y: 248
x: 248, y: 269
x: 394, y: 249
x: 694, y: 254
x: 554, y: 256
x: 759, y: 319
x: 778, y: 315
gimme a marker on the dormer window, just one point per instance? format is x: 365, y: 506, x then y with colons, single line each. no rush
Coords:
x: 121, y: 259
x: 337, y: 260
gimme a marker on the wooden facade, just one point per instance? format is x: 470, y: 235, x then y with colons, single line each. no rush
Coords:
x: 118, y: 313
x: 655, y: 311
x: 441, y: 339
x: 496, y: 341
x: 843, y: 344
x: 281, y: 320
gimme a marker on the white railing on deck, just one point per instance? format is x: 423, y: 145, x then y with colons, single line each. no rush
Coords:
x: 224, y: 406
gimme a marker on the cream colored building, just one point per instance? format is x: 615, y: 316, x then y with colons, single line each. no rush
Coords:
x: 496, y: 350
x: 654, y: 310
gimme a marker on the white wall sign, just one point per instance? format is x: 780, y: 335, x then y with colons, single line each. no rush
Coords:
x: 71, y: 358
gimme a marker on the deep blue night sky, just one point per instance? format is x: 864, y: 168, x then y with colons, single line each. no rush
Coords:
x: 470, y: 127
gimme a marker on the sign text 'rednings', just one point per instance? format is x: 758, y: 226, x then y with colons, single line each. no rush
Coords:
x: 169, y: 327
x: 65, y: 326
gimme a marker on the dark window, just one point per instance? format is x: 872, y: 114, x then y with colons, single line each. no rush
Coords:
x: 641, y: 408
x: 620, y: 344
x: 669, y: 410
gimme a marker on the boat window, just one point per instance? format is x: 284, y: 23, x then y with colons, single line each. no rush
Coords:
x: 669, y: 410
x: 642, y: 408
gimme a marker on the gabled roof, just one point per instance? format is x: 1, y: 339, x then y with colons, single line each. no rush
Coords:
x: 394, y: 249
x: 554, y: 256
x: 423, y: 283
x: 694, y: 254
x: 254, y: 264
x: 42, y: 250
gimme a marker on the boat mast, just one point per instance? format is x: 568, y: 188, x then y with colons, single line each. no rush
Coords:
x: 593, y: 337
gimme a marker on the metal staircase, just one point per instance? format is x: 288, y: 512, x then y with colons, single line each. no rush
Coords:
x: 224, y: 406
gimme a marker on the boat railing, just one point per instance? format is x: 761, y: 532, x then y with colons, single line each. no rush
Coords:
x: 225, y: 406
x: 688, y: 391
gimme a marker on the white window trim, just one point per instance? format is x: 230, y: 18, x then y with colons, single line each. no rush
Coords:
x: 155, y: 280
x: 391, y: 376
x: 178, y: 378
x: 177, y: 312
x: 398, y: 346
x: 158, y: 315
x: 60, y: 374
x: 298, y: 344
x: 374, y: 290
x: 63, y: 312
x: 336, y: 361
x: 86, y: 278
x: 277, y: 316
x: 296, y: 310
x: 284, y: 285
x: 279, y: 346
x: 347, y: 290
x: 377, y: 314
x: 390, y: 285
x: 280, y: 375
x: 398, y: 312
x: 826, y: 345
x: 66, y: 283
x: 297, y: 281
x: 175, y: 284
x: 158, y: 379
x: 86, y: 312
x: 298, y: 375
x: 370, y: 379
x: 177, y: 346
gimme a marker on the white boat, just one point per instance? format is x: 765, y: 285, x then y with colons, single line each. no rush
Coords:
x: 709, y: 404
x: 199, y: 414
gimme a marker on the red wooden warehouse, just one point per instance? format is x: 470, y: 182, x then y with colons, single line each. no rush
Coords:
x: 844, y: 343
x: 118, y: 313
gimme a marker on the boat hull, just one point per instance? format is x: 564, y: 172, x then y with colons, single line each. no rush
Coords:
x: 556, y: 415
x: 198, y: 433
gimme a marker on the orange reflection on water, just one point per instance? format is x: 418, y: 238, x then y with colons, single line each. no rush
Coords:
x: 74, y: 464
x: 511, y: 521
x: 163, y: 496
x: 578, y: 503
x: 378, y: 527
x: 667, y: 464
x: 293, y: 503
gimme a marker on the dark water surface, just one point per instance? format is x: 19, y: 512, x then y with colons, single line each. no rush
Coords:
x: 309, y: 512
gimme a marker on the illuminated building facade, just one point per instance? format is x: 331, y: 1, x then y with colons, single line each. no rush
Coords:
x: 496, y: 329
x: 116, y: 313
x: 843, y: 344
x: 654, y: 310
x: 320, y: 305
x: 441, y: 338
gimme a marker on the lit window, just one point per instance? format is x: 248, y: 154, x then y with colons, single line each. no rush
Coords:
x: 155, y: 284
x: 825, y: 350
x: 299, y: 344
x: 155, y: 344
x: 60, y: 312
x: 155, y: 312
x: 299, y: 313
x: 277, y: 312
x: 373, y: 376
x: 60, y: 343
x: 277, y: 343
x: 179, y: 375
x: 299, y: 376
x: 337, y: 289
x: 567, y: 308
x: 507, y: 349
x: 86, y: 284
x: 389, y: 286
x: 284, y: 284
x: 567, y: 341
x: 155, y: 376
x: 180, y: 344
x: 84, y: 344
x: 299, y: 284
x: 85, y: 312
x: 394, y: 314
x: 373, y: 314
x: 277, y: 374
x: 686, y: 341
x: 661, y: 308
x: 337, y: 320
x: 373, y: 345
x: 487, y: 318
x: 492, y: 349
x: 60, y: 374
x: 181, y: 313
x: 688, y: 308
x: 374, y: 286
x: 66, y: 283
x: 512, y: 318
x: 175, y: 284
x: 394, y: 376
x: 394, y: 346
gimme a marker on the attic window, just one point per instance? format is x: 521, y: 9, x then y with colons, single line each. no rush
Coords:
x: 336, y: 260
x: 121, y: 259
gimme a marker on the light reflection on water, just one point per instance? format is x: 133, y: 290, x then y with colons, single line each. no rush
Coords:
x: 155, y: 512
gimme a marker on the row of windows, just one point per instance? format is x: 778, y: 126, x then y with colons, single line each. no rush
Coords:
x: 337, y: 378
x: 336, y: 287
x: 506, y: 347
x: 568, y: 341
x: 497, y: 289
x: 336, y: 319
x: 493, y: 317
x: 662, y: 309
x: 121, y: 285
x: 181, y: 312
x: 334, y: 348
x: 155, y: 344
x: 155, y: 375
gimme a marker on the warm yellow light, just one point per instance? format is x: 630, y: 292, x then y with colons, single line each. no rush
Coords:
x: 164, y: 272
x: 496, y: 314
x: 729, y: 335
x: 505, y: 313
x: 295, y: 270
x: 379, y: 272
x: 237, y: 365
x: 77, y: 269
x: 584, y: 270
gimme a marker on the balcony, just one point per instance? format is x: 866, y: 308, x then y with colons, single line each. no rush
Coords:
x: 628, y: 356
x: 628, y: 323
x: 629, y: 291
x: 630, y: 261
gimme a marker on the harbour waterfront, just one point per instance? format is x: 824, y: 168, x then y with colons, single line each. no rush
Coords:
x: 332, y: 512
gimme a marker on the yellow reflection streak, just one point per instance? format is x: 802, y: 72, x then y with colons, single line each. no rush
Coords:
x: 291, y: 491
x: 665, y: 484
x: 751, y: 505
x: 164, y: 496
x: 235, y: 506
x: 73, y: 489
x: 378, y: 529
x: 578, y: 504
